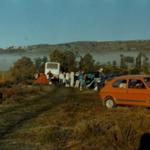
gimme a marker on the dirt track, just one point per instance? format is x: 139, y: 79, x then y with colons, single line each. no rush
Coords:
x: 63, y: 118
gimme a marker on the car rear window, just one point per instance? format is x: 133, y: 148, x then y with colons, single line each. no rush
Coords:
x: 136, y: 84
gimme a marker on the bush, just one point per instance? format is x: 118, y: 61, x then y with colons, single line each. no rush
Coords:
x: 22, y: 70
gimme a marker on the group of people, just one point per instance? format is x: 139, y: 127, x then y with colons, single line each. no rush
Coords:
x: 79, y: 79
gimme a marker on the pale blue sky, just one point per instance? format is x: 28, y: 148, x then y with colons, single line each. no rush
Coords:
x: 27, y: 22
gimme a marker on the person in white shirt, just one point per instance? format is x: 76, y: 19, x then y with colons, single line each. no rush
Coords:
x: 61, y: 78
x: 72, y: 79
x: 67, y: 79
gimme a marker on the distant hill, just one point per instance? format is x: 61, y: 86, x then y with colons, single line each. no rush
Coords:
x: 138, y: 45
x: 135, y: 45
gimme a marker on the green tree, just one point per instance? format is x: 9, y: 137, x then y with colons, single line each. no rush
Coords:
x: 134, y: 71
x: 139, y: 61
x: 97, y: 66
x: 87, y: 62
x: 69, y: 63
x: 122, y: 62
x: 67, y: 59
x: 23, y: 69
x: 114, y: 63
x: 44, y: 59
x: 129, y: 59
x: 57, y: 56
x: 145, y: 65
x: 40, y: 63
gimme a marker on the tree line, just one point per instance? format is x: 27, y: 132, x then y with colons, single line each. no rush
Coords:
x: 25, y: 68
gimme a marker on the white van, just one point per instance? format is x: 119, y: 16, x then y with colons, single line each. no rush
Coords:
x: 54, y: 67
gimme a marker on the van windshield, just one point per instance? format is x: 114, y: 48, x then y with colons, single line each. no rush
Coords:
x: 52, y: 66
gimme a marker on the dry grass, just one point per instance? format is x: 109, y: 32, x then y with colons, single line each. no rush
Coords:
x: 60, y: 118
x: 4, y: 76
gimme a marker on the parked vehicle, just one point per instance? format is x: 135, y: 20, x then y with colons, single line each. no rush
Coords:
x: 126, y: 90
x: 53, y: 67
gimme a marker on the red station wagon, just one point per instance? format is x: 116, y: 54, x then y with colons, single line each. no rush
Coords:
x: 126, y: 90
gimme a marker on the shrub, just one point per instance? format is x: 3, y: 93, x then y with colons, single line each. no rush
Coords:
x: 22, y: 70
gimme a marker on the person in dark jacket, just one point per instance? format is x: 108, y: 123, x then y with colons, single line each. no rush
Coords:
x: 99, y: 79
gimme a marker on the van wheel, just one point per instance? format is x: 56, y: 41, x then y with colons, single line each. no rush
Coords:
x: 109, y: 103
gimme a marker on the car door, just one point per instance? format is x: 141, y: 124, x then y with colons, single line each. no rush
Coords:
x: 138, y: 93
x: 119, y: 90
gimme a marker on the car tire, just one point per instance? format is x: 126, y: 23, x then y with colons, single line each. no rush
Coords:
x: 109, y: 103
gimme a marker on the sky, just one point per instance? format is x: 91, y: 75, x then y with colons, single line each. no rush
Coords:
x: 29, y: 22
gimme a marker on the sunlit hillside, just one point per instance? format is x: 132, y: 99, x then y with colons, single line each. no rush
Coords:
x: 87, y: 46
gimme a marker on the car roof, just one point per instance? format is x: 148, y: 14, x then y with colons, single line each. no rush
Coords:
x: 132, y: 76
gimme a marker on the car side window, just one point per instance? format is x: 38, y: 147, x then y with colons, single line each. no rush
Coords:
x: 120, y: 84
x: 147, y: 81
x: 136, y: 84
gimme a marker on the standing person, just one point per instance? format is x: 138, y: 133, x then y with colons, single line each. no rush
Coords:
x: 67, y: 79
x: 102, y: 78
x: 72, y: 79
x: 81, y: 80
x: 76, y: 80
x: 64, y: 79
x: 61, y: 78
x: 84, y: 79
x: 99, y: 79
x: 50, y: 77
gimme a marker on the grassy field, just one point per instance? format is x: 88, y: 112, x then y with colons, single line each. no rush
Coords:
x: 58, y: 118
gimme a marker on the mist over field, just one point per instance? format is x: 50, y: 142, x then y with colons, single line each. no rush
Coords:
x: 102, y: 52
x: 7, y: 60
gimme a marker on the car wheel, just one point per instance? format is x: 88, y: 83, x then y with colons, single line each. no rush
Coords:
x: 109, y: 103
